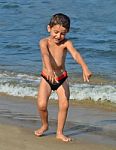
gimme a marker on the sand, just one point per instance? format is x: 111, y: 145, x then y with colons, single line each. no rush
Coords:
x: 90, y: 128
x: 15, y: 138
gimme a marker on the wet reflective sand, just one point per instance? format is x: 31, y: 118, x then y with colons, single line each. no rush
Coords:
x: 83, y: 123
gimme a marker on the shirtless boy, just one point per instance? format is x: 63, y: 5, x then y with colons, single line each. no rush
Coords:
x: 54, y: 75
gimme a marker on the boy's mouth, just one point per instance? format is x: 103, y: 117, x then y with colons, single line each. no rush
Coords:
x: 57, y: 40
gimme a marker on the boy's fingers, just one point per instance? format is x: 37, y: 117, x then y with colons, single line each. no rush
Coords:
x: 52, y: 80
x: 56, y: 80
x: 84, y: 78
x: 87, y: 79
x: 47, y: 77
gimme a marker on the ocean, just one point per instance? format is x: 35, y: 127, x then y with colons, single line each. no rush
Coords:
x: 93, y: 32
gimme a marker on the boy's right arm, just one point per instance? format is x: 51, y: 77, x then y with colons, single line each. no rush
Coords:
x: 46, y: 59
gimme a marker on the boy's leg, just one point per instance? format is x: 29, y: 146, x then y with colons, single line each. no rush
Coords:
x: 63, y: 97
x: 43, y: 96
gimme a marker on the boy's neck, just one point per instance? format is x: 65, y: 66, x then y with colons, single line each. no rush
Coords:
x: 56, y: 44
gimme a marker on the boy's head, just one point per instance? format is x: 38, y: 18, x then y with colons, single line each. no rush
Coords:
x: 60, y: 19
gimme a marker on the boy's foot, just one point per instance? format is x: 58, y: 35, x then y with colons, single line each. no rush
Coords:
x: 40, y: 131
x: 63, y: 138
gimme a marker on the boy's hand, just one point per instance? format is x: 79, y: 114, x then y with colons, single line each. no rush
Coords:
x: 51, y: 76
x: 86, y: 74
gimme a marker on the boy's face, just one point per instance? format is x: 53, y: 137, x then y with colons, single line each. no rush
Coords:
x: 57, y: 33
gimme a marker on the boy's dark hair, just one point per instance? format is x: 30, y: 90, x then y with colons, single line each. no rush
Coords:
x: 60, y: 19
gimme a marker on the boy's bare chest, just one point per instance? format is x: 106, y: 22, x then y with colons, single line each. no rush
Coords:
x: 57, y: 52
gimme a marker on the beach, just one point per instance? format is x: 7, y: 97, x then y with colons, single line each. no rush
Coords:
x: 93, y: 32
x: 91, y: 121
x: 17, y: 138
x: 89, y: 128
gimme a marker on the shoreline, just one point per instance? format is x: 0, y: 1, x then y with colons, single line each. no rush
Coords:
x: 89, y: 103
x: 99, y: 104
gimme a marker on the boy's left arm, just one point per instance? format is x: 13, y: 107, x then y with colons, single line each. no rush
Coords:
x: 78, y: 58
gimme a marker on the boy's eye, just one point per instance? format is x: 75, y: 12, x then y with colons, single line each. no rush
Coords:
x: 63, y: 33
x: 56, y: 32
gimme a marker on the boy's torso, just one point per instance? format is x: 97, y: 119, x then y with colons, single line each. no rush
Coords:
x: 57, y: 54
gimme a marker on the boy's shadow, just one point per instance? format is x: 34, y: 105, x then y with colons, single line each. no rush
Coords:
x: 77, y: 130
x: 81, y: 129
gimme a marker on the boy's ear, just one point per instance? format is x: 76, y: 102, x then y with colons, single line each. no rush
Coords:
x: 48, y: 28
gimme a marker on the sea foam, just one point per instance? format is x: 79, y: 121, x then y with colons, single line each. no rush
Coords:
x: 27, y: 85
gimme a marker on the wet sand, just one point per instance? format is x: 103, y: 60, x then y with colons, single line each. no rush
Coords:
x: 16, y: 138
x: 90, y: 128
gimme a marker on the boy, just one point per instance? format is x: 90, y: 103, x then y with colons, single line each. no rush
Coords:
x: 54, y: 75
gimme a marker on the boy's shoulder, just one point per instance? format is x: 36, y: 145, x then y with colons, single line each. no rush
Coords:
x: 68, y: 42
x: 43, y: 41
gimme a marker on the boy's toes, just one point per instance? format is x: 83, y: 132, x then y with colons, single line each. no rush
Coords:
x: 38, y: 133
x: 64, y: 138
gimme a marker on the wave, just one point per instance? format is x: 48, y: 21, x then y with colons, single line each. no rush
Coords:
x: 95, y: 92
x: 24, y: 85
x: 18, y: 84
x: 11, y: 6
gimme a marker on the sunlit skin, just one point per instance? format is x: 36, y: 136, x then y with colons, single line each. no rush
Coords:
x: 53, y: 52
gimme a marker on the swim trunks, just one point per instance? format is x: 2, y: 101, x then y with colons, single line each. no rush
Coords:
x: 60, y: 79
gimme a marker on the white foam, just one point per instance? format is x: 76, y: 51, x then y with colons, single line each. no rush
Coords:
x: 18, y: 84
x: 95, y: 92
x: 18, y: 90
x: 27, y: 85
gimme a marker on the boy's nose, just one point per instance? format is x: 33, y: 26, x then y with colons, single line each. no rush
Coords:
x: 58, y: 36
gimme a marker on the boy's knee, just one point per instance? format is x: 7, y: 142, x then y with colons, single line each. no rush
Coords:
x: 64, y: 105
x: 42, y: 107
